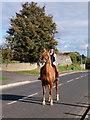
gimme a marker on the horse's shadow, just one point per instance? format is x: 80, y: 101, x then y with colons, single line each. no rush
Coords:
x: 10, y: 97
x: 24, y: 99
x: 34, y: 100
x: 19, y: 98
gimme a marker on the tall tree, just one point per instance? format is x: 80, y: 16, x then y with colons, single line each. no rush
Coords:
x: 31, y: 31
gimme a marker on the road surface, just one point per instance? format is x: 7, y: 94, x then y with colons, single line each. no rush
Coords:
x: 25, y: 101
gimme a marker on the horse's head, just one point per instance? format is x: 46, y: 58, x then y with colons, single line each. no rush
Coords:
x: 46, y: 56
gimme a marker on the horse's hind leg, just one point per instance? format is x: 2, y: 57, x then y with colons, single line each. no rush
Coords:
x: 57, y: 95
x: 44, y: 94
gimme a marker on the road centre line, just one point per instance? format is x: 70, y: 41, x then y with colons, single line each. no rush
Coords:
x: 81, y: 76
x: 29, y: 96
x: 58, y: 85
x: 77, y: 78
x: 22, y: 98
x: 12, y: 102
x: 27, y: 82
x: 40, y: 91
x: 85, y: 75
x: 70, y: 80
x: 36, y: 93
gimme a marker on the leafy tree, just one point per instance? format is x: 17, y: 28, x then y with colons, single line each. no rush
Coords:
x: 7, y: 54
x: 75, y: 57
x: 31, y: 31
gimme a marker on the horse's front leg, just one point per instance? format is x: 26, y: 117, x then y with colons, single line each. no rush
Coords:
x: 44, y: 94
x: 57, y: 95
x: 51, y: 94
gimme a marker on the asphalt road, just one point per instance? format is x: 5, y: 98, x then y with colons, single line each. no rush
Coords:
x: 25, y: 101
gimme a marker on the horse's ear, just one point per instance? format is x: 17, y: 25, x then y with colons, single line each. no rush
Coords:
x: 44, y: 50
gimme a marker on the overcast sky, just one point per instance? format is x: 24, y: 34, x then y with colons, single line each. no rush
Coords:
x: 71, y: 19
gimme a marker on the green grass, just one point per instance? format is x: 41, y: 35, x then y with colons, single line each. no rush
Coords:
x: 35, y: 71
x: 2, y: 79
x: 74, y: 66
x: 29, y: 72
x: 60, y: 68
x: 5, y: 61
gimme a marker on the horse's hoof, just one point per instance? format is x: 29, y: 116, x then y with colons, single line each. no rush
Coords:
x: 51, y: 103
x: 57, y: 98
x: 43, y: 103
x: 49, y: 99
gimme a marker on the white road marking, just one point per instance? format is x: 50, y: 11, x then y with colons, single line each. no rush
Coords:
x: 17, y: 84
x: 22, y: 98
x: 27, y: 82
x: 70, y: 80
x: 81, y: 76
x: 85, y: 75
x: 66, y: 73
x: 29, y: 96
x: 12, y: 102
x: 77, y: 78
x: 60, y: 84
x: 40, y: 91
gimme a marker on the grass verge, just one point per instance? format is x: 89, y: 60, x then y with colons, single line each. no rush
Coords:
x: 74, y: 67
x: 2, y: 79
x: 36, y: 71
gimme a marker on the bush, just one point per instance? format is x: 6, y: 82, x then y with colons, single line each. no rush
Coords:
x: 71, y: 67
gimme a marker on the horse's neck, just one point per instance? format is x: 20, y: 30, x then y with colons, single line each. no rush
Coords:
x: 48, y: 65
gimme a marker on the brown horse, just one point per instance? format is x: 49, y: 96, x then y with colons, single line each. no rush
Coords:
x: 48, y: 78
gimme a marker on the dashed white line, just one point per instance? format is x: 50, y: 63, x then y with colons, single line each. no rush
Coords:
x: 60, y: 84
x: 27, y: 82
x: 81, y: 76
x: 12, y: 102
x: 37, y: 92
x: 22, y: 98
x: 85, y: 75
x: 77, y: 78
x: 70, y: 80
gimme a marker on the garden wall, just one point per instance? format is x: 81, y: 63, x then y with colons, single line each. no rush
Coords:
x: 61, y: 60
x: 17, y: 66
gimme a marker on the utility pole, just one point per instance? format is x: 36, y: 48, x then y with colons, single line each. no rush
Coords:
x: 81, y: 62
